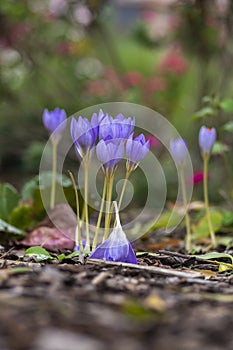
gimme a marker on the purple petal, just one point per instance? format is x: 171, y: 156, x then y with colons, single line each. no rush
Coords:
x: 178, y: 150
x: 207, y: 138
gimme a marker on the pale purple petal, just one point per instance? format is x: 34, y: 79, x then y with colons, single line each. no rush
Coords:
x: 207, y: 138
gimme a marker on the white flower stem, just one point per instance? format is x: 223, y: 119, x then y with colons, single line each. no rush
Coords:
x: 110, y: 179
x: 78, y: 239
x: 206, y: 198
x: 86, y: 172
x: 118, y: 222
x: 123, y: 188
x: 187, y: 218
x: 54, y: 173
x: 95, y: 241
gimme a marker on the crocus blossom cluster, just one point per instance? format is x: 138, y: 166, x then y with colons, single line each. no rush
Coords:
x: 113, y: 137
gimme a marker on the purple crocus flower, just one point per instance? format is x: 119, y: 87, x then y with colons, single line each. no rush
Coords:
x: 110, y: 153
x: 95, y: 122
x: 108, y: 129
x: 83, y: 135
x: 55, y: 121
x: 116, y: 128
x: 136, y: 150
x: 178, y: 150
x: 116, y: 247
x: 207, y: 138
x: 127, y: 125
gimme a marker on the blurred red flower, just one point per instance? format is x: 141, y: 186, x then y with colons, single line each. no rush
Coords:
x: 173, y: 62
x: 197, y: 178
x: 154, y: 142
x: 133, y: 78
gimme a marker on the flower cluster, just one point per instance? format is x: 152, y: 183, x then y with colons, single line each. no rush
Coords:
x: 114, y: 135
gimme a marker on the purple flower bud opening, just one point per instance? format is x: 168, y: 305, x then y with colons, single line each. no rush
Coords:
x: 207, y: 138
x: 55, y: 121
x: 178, y: 150
x: 136, y: 150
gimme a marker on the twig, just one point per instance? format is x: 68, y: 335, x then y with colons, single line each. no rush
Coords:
x: 152, y: 269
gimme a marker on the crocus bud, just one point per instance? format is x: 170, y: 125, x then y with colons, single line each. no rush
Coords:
x: 178, y: 150
x: 207, y: 138
x: 55, y: 121
x: 136, y: 150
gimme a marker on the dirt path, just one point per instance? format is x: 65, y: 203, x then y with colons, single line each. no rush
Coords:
x: 161, y: 304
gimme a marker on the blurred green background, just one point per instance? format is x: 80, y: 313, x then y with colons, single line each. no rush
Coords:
x: 172, y: 56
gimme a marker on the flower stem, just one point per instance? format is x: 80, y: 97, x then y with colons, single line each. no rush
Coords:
x: 78, y: 239
x: 54, y: 173
x: 123, y: 188
x: 86, y: 171
x: 110, y: 179
x: 117, y: 216
x: 206, y: 199
x: 128, y: 172
x: 100, y: 214
x: 187, y: 218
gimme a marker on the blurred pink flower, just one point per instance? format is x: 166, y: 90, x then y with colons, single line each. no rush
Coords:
x: 154, y: 142
x: 148, y: 16
x: 133, y: 78
x: 197, y: 178
x: 110, y: 74
x: 173, y: 62
x: 99, y: 88
x: 155, y: 84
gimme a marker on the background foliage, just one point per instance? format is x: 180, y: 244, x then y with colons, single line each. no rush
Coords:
x: 172, y: 56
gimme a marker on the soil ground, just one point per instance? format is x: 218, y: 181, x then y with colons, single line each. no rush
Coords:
x: 168, y: 301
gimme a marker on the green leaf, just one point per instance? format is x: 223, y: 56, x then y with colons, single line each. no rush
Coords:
x: 220, y: 148
x: 215, y: 255
x: 39, y: 253
x: 225, y: 267
x: 42, y: 182
x: 201, y: 229
x: 9, y: 232
x: 9, y: 199
x: 45, y: 180
x: 227, y: 105
x: 227, y: 217
x: 21, y: 217
x: 204, y: 112
x: 226, y: 241
x: 165, y: 220
x: 228, y: 126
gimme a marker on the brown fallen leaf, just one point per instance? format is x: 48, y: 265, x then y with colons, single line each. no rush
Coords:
x: 63, y: 218
x: 56, y: 231
x: 208, y: 273
x: 49, y: 238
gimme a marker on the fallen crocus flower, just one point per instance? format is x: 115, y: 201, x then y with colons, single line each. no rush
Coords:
x: 116, y: 247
